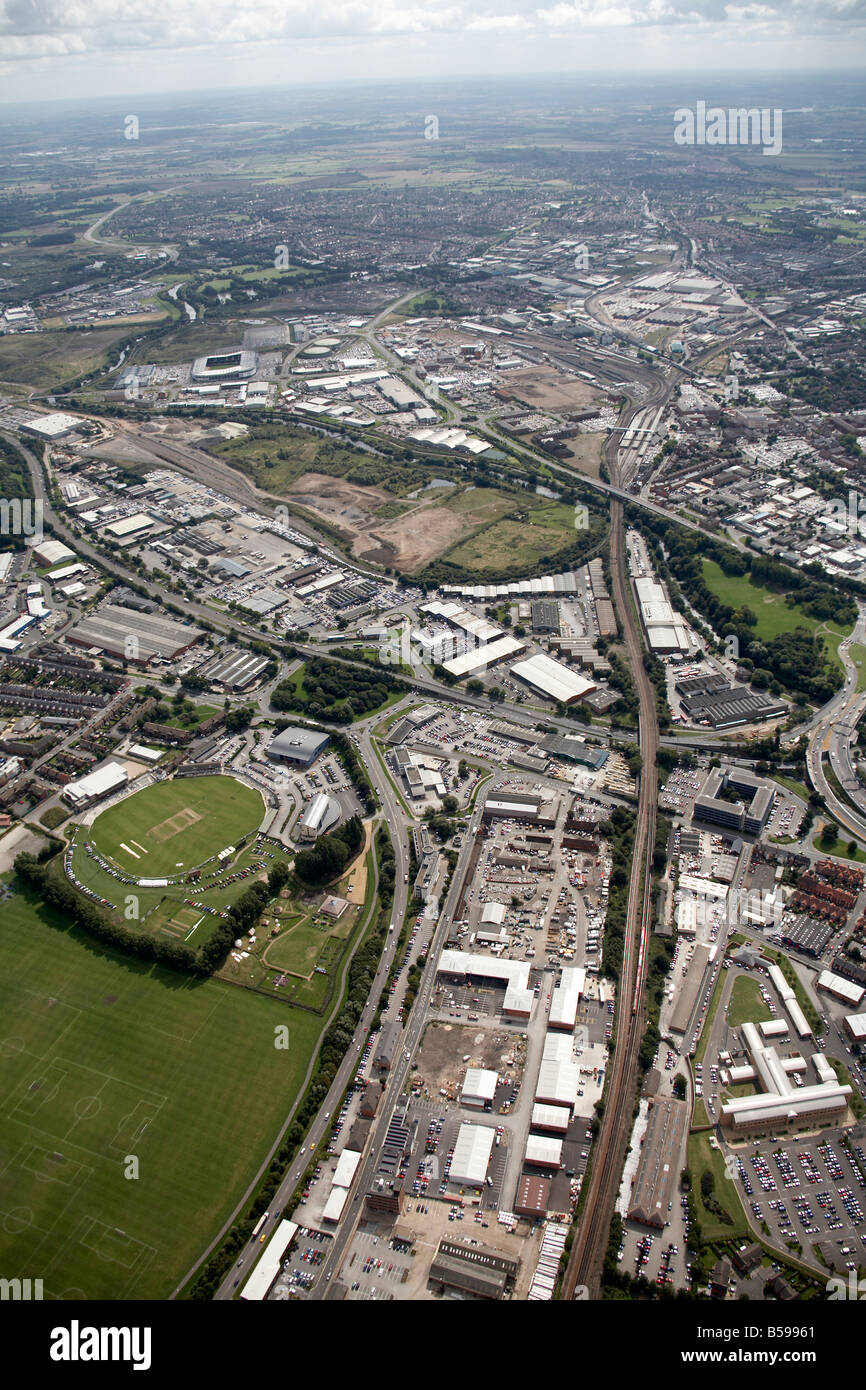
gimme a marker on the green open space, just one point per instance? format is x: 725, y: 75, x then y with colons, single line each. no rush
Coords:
x: 163, y: 909
x: 531, y: 530
x: 51, y: 359
x: 858, y: 656
x: 104, y: 1060
x: 745, y: 1004
x: 798, y: 788
x: 702, y: 1158
x: 299, y: 949
x: 190, y: 718
x: 839, y: 848
x: 711, y: 1013
x: 315, y: 689
x: 772, y: 612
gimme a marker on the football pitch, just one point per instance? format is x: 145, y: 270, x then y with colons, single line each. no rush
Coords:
x: 137, y: 1105
x: 176, y: 824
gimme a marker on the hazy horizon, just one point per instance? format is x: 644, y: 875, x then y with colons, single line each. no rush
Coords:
x: 55, y: 50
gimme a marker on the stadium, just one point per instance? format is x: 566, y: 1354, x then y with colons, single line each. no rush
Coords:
x: 226, y: 366
x: 174, y: 856
x: 173, y: 827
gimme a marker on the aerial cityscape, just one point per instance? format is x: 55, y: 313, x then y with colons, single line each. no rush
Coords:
x: 432, y: 689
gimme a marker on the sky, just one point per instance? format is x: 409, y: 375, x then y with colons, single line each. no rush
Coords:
x: 52, y: 49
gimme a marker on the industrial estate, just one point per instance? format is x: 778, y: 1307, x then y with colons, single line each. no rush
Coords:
x: 432, y: 641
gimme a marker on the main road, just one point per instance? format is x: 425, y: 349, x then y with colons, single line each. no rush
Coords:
x: 393, y: 817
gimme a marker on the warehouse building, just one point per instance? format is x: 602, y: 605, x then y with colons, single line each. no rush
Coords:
x: 490, y: 970
x: 855, y: 1027
x: 575, y: 750
x: 483, y: 657
x: 687, y: 995
x: 51, y: 553
x: 479, y: 1088
x: 133, y: 636
x: 846, y: 990
x: 533, y: 1194
x: 559, y: 1074
x: 298, y: 746
x: 565, y: 998
x: 234, y: 669
x: 659, y: 1163
x: 545, y: 617
x: 605, y: 618
x: 807, y: 935
x: 665, y: 630
x: 473, y: 1269
x: 552, y: 679
x: 481, y: 629
x: 321, y: 815
x: 513, y: 806
x: 398, y: 394
x: 51, y: 427
x: 130, y: 526
x: 552, y: 1119
x: 86, y: 791
x: 543, y: 1151
x: 472, y: 1154
x: 725, y: 706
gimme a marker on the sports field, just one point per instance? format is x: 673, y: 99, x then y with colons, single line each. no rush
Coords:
x: 177, y: 824
x: 111, y: 1067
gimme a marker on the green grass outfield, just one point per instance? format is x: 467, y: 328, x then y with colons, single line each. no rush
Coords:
x: 162, y: 909
x: 103, y: 1058
x: 773, y: 614
x: 221, y: 811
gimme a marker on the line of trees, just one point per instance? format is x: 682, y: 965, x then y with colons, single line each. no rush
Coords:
x: 362, y: 972
x: 330, y: 854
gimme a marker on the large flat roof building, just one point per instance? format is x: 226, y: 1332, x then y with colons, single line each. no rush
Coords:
x: 532, y: 1197
x: 86, y: 791
x: 659, y: 1163
x: 781, y: 1102
x: 267, y: 1267
x: 480, y: 658
x: 297, y: 745
x: 565, y: 998
x: 846, y: 990
x: 472, y: 1154
x: 543, y: 1151
x: 514, y: 974
x: 479, y: 1088
x: 234, y: 669
x: 322, y: 814
x: 133, y: 636
x: 552, y: 679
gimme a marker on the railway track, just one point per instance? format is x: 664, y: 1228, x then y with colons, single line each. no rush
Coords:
x: 584, y: 1267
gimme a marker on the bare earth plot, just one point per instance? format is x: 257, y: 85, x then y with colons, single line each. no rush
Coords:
x: 546, y: 389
